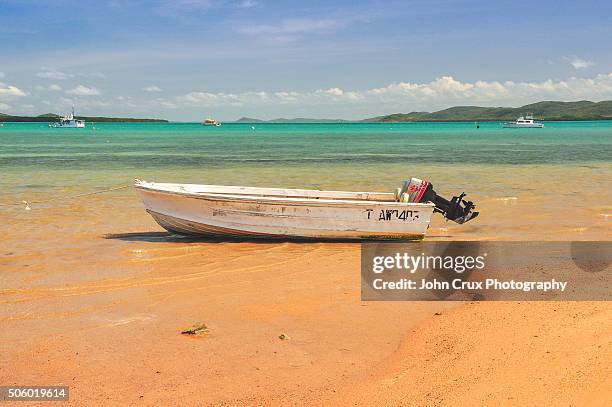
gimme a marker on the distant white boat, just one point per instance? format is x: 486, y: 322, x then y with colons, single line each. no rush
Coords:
x: 211, y: 122
x: 526, y: 121
x: 278, y: 213
x: 68, y: 122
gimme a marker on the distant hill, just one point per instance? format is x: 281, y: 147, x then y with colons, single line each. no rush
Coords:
x: 582, y: 110
x: 52, y: 117
x: 248, y: 120
x: 549, y: 110
x: 283, y: 120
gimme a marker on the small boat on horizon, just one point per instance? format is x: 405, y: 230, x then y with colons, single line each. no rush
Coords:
x: 68, y: 122
x: 211, y: 122
x: 279, y: 213
x: 526, y: 121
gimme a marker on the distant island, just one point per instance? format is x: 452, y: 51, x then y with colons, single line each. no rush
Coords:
x: 549, y: 110
x: 583, y: 110
x: 51, y: 117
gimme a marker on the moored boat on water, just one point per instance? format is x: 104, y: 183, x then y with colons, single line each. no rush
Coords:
x: 526, y: 121
x: 68, y: 122
x: 211, y: 122
x: 279, y: 213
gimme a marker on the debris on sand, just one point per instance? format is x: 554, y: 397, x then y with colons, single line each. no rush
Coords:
x: 196, y: 330
x: 284, y: 337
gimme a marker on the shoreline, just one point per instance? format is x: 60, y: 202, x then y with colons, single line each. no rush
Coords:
x: 94, y: 299
x: 92, y: 284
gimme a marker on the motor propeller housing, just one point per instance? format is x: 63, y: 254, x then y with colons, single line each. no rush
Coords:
x: 457, y: 209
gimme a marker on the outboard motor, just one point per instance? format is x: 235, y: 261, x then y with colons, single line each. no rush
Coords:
x: 419, y: 191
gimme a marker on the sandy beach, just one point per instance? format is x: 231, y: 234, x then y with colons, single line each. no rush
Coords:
x: 100, y: 305
x: 482, y: 130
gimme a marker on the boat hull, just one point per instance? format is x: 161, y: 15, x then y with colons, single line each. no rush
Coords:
x: 522, y: 126
x: 273, y: 217
x: 68, y: 126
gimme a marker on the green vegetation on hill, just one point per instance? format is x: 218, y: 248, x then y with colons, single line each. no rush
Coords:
x: 51, y: 117
x: 582, y: 110
x: 248, y: 120
x: 549, y: 110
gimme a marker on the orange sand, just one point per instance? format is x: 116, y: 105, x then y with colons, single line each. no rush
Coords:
x: 103, y: 315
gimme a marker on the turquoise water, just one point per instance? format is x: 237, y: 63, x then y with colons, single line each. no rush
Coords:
x: 554, y: 182
x: 309, y: 155
x: 193, y: 145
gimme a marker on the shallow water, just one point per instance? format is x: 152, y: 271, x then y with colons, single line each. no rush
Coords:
x: 529, y: 183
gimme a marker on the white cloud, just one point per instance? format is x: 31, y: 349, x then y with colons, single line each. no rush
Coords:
x: 578, y: 63
x: 353, y: 96
x: 192, y: 4
x: 82, y: 90
x: 287, y: 97
x: 449, y: 89
x: 441, y: 92
x: 247, y: 4
x: 67, y: 103
x: 93, y: 75
x: 9, y: 91
x: 4, y: 106
x: 152, y: 88
x: 163, y: 103
x: 333, y: 91
x: 175, y: 8
x: 448, y: 84
x: 53, y: 87
x: 214, y: 99
x: 50, y: 73
x: 295, y: 26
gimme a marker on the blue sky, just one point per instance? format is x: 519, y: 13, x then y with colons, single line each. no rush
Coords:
x: 186, y: 59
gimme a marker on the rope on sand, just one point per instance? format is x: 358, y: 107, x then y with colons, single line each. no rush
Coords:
x: 58, y: 198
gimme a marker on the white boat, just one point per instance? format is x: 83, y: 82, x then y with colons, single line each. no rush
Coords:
x: 211, y: 122
x: 526, y: 121
x: 68, y: 122
x: 278, y: 213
